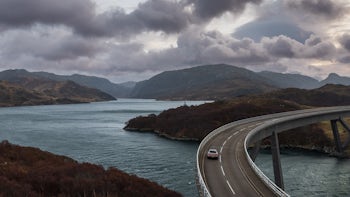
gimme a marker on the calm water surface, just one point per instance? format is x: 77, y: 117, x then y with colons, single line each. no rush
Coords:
x: 93, y: 133
x: 309, y: 173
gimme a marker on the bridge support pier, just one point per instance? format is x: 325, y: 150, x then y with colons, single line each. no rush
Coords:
x: 276, y: 160
x: 256, y: 150
x: 347, y: 128
x: 336, y: 136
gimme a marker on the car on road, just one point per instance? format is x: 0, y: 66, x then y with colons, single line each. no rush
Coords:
x: 212, y: 154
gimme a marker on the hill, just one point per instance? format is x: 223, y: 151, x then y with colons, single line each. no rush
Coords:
x: 116, y: 90
x: 290, y: 80
x: 26, y: 171
x: 32, y: 91
x: 335, y: 79
x: 212, y: 82
x: 195, y: 122
x: 217, y: 82
x: 328, y: 95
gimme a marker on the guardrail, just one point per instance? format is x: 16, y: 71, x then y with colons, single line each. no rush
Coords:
x: 277, y: 190
x: 286, y: 123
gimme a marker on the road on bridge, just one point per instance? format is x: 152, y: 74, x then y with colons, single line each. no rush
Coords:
x: 228, y: 176
x: 231, y: 174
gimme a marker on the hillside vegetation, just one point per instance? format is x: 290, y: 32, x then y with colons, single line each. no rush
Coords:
x: 29, y: 172
x: 221, y: 81
x: 31, y: 91
x: 102, y: 84
x: 328, y: 95
x: 195, y: 122
x: 205, y: 82
x: 212, y: 82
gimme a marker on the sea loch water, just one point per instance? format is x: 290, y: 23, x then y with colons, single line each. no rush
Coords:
x: 93, y: 133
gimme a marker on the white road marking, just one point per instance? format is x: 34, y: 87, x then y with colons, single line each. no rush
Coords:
x: 224, y: 143
x: 230, y: 187
x: 220, y: 158
x: 222, y: 170
x: 242, y: 129
x: 221, y: 148
x: 234, y: 133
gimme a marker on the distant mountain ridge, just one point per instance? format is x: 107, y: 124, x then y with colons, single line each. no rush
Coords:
x: 223, y: 81
x: 202, y: 82
x: 214, y: 82
x: 19, y: 88
x: 290, y: 80
x: 116, y: 90
x: 335, y: 79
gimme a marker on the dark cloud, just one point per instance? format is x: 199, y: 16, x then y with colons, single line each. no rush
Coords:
x: 271, y: 27
x: 316, y: 48
x: 272, y: 20
x: 345, y: 59
x: 326, y: 8
x: 162, y: 15
x: 208, y: 9
x: 50, y: 47
x: 313, y: 40
x: 280, y: 46
x: 80, y: 15
x: 322, y: 50
x: 153, y: 15
x: 345, y: 41
x: 18, y: 13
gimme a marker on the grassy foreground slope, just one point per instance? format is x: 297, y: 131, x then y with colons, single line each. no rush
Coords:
x: 26, y: 171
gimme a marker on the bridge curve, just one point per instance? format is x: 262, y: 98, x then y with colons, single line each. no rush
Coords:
x: 234, y: 173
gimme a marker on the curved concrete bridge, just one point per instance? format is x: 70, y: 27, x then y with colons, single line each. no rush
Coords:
x: 234, y: 173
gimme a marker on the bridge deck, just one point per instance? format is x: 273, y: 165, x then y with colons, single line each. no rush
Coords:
x: 231, y: 174
x: 228, y: 176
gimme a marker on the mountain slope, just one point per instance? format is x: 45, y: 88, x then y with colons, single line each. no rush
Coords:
x: 290, y: 80
x: 328, y: 95
x: 34, y: 91
x: 14, y: 95
x: 89, y: 81
x: 102, y: 84
x: 202, y: 82
x: 336, y: 79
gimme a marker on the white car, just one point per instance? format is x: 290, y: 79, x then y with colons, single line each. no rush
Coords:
x: 212, y: 154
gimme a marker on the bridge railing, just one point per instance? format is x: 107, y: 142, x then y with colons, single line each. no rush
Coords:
x: 277, y: 190
x: 281, y: 124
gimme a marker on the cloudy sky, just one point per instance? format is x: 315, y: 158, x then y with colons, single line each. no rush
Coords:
x: 126, y: 40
